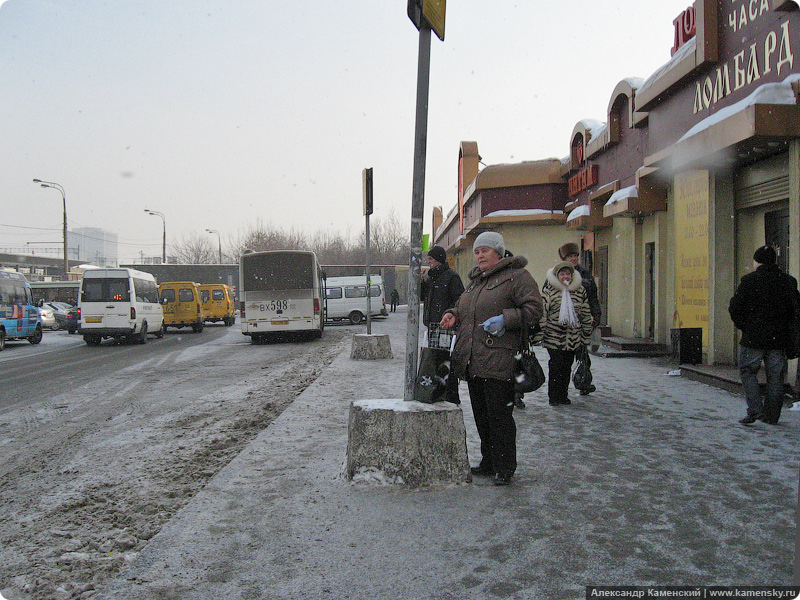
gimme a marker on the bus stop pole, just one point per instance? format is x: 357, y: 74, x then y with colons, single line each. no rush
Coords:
x: 369, y: 280
x: 417, y: 208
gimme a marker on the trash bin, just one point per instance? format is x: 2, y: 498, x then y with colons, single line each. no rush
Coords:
x: 687, y: 345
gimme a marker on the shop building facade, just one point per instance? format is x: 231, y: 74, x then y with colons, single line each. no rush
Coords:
x: 693, y: 168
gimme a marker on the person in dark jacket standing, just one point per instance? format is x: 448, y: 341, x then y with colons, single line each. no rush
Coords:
x: 764, y: 307
x: 570, y: 252
x: 395, y: 299
x: 441, y: 288
x: 488, y: 317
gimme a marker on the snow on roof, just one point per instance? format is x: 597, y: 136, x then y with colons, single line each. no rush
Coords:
x: 628, y: 192
x: 581, y: 211
x: 592, y: 125
x: 523, y: 212
x: 687, y: 48
x: 634, y: 82
x: 768, y: 93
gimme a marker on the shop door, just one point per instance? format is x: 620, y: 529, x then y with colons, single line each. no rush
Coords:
x: 601, y: 279
x: 776, y: 232
x: 650, y: 288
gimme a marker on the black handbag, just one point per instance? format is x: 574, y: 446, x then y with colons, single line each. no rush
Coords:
x: 582, y: 377
x: 528, y: 373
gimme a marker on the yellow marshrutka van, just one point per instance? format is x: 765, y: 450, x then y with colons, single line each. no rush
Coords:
x: 182, y: 305
x: 218, y: 304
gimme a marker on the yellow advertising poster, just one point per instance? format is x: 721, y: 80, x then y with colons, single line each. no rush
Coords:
x: 691, y: 251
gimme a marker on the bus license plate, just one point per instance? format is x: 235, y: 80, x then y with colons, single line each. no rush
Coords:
x: 93, y: 319
x: 282, y: 322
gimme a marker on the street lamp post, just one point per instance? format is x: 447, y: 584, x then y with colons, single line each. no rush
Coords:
x: 164, y: 236
x: 55, y: 186
x: 219, y: 242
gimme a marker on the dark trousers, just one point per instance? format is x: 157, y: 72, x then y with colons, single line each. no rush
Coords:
x: 559, y: 370
x: 750, y: 360
x: 394, y: 305
x: 492, y: 406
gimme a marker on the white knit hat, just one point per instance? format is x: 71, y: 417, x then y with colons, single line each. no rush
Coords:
x: 490, y: 239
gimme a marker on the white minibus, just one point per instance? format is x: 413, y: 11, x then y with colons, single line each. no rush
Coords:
x: 346, y: 298
x: 119, y: 303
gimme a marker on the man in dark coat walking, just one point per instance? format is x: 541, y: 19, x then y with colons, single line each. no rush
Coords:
x: 441, y: 289
x: 572, y: 253
x: 764, y: 308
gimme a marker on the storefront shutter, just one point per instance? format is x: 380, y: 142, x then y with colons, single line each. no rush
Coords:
x: 763, y: 182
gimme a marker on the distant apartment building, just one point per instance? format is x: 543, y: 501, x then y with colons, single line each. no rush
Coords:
x: 93, y: 245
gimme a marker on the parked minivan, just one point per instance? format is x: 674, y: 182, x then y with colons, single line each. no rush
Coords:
x: 346, y: 298
x: 218, y: 304
x: 181, y: 303
x: 119, y: 303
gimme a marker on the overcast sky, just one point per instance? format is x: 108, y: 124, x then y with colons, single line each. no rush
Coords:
x: 223, y: 113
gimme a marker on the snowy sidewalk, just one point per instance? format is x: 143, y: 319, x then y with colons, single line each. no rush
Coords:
x: 649, y: 481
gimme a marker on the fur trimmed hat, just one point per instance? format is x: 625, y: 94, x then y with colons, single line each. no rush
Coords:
x: 568, y: 249
x: 563, y: 265
x: 491, y: 239
x: 765, y: 255
x: 438, y: 254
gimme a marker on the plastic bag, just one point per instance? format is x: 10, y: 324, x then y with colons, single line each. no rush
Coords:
x: 582, y: 376
x: 434, y: 369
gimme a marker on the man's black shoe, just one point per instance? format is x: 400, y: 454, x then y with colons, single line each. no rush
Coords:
x: 481, y: 470
x: 502, y: 479
x: 588, y: 390
x: 768, y: 420
x: 750, y: 419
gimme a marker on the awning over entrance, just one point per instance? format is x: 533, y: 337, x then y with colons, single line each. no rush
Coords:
x: 751, y: 128
x: 635, y: 201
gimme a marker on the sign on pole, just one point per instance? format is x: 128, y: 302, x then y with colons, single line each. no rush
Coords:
x: 366, y: 182
x: 432, y: 11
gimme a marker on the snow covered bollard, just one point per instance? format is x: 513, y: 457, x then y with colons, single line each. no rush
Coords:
x: 407, y: 443
x: 370, y: 347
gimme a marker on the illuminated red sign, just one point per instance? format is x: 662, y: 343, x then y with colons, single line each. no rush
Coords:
x: 685, y: 27
x: 585, y: 178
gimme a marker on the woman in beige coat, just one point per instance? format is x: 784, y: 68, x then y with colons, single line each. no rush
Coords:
x: 489, y: 316
x: 565, y: 326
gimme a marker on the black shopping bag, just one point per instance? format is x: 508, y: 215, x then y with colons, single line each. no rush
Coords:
x: 582, y: 376
x: 434, y: 369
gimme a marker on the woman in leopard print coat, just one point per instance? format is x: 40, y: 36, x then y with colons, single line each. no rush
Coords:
x: 566, y: 324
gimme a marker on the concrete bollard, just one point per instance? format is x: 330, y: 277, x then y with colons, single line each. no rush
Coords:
x: 407, y: 443
x: 370, y: 347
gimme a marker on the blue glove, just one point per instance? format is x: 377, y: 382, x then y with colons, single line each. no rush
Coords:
x: 496, y: 326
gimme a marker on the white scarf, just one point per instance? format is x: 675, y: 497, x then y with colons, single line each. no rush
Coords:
x: 567, y: 316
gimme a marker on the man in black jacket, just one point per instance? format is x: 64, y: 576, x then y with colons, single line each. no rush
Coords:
x: 572, y: 253
x: 441, y: 288
x: 764, y: 307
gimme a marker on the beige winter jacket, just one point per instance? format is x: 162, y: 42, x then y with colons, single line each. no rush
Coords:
x: 552, y: 333
x: 507, y: 289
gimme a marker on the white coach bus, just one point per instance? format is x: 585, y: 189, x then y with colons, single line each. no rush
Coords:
x: 281, y: 291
